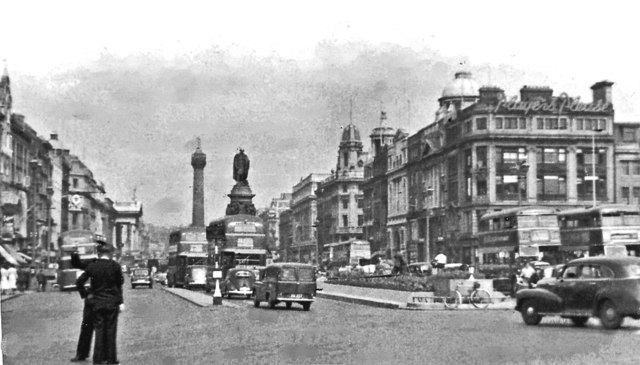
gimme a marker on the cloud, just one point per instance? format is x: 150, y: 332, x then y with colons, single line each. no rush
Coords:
x: 134, y: 119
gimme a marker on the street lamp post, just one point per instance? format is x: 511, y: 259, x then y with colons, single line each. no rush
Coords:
x: 593, y: 163
x: 427, y: 207
x: 34, y: 164
x: 50, y: 195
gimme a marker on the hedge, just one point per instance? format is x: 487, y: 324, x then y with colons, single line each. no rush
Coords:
x: 400, y: 282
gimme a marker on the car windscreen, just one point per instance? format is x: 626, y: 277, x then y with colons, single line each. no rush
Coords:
x: 141, y: 272
x: 305, y: 274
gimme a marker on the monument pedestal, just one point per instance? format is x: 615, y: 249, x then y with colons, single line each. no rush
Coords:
x: 241, y: 200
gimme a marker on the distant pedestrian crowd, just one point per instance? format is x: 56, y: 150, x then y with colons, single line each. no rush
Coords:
x: 15, y: 279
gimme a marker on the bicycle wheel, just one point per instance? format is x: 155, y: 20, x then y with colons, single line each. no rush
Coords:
x: 480, y: 298
x: 452, y: 300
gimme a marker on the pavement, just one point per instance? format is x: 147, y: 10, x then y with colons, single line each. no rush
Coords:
x: 396, y: 299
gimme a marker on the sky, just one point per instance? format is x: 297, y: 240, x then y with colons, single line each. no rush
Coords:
x: 129, y: 86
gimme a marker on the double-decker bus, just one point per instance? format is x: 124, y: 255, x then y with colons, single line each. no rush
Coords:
x: 82, y: 241
x: 188, y: 258
x: 609, y: 230
x: 241, y: 242
x: 523, y: 232
x: 349, y: 252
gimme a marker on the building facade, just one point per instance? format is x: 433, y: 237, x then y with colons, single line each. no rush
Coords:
x: 304, y: 246
x: 339, y: 197
x: 627, y: 160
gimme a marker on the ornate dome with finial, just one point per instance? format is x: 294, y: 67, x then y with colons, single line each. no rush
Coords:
x: 462, y: 86
x: 351, y: 134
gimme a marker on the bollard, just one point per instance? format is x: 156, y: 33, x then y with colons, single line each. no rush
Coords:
x: 217, y: 294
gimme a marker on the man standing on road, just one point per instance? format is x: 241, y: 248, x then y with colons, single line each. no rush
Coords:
x: 86, y: 328
x: 440, y: 260
x: 104, y: 297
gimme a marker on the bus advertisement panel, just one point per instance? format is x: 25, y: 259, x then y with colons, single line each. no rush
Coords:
x: 84, y: 243
x: 240, y: 240
x: 523, y: 232
x: 609, y: 230
x: 188, y: 258
x: 348, y: 252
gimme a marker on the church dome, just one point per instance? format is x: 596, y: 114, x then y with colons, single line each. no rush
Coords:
x: 351, y: 134
x: 462, y: 86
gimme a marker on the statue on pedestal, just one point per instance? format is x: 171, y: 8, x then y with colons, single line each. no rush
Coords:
x: 241, y: 168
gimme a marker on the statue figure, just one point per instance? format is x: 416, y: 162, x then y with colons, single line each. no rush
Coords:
x: 241, y: 167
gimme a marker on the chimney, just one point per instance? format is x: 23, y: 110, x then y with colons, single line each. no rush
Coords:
x: 533, y: 93
x: 602, y: 91
x: 491, y: 94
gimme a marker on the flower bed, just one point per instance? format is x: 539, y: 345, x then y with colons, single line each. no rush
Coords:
x: 400, y: 282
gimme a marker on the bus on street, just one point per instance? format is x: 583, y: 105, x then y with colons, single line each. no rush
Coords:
x: 82, y: 241
x: 188, y: 258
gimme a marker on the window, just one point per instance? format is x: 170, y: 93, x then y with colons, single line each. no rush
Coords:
x: 635, y: 167
x: 511, y: 123
x: 510, y: 179
x: 481, y: 156
x: 523, y: 123
x: 579, y: 124
x: 636, y: 195
x: 498, y: 123
x: 467, y: 127
x: 571, y: 272
x: 626, y: 167
x: 481, y: 123
x: 628, y: 134
x: 360, y: 203
x: 345, y: 220
x: 625, y: 198
x: 345, y: 203
x: 360, y: 220
x: 75, y: 182
x: 481, y: 187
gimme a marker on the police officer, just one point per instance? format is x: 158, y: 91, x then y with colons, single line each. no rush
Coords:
x: 104, y: 298
x: 86, y: 329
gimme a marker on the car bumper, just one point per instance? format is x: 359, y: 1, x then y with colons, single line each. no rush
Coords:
x: 297, y: 300
x: 241, y: 291
x: 141, y: 282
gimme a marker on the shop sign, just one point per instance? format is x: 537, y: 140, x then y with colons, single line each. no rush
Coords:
x: 562, y: 105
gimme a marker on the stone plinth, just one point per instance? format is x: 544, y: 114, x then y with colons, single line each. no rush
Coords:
x: 241, y: 200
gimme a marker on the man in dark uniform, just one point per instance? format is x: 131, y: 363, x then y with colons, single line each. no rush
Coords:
x: 104, y: 298
x: 86, y: 328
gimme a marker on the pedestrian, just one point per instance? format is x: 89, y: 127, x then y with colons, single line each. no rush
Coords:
x: 105, y: 299
x: 86, y: 328
x: 27, y: 278
x: 12, y: 278
x: 42, y: 280
x: 4, y: 279
x: 439, y: 261
x: 526, y: 273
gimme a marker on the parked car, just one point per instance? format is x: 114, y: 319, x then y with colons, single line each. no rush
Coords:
x: 141, y: 277
x: 286, y: 282
x: 420, y: 269
x: 161, y: 277
x: 606, y: 287
x: 238, y: 282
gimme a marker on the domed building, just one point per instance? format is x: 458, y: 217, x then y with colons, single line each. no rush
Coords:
x: 463, y: 91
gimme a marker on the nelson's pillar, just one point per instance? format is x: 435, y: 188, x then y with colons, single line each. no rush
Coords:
x: 198, y: 161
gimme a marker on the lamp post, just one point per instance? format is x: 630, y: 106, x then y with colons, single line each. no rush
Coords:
x: 50, y: 195
x: 523, y: 168
x: 427, y: 207
x: 593, y: 163
x: 34, y: 164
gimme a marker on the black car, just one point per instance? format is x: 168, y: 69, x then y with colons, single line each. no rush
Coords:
x: 141, y: 277
x: 606, y: 287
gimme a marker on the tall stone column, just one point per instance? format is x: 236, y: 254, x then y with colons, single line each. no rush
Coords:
x: 198, y: 161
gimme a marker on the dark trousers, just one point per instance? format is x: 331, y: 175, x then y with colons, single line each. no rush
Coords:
x: 86, y: 332
x: 105, y: 323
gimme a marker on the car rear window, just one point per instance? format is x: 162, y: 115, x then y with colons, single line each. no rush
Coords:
x: 141, y: 272
x: 243, y: 274
x: 305, y: 274
x: 287, y: 274
x: 634, y: 270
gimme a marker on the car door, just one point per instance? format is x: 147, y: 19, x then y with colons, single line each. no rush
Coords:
x: 565, y: 285
x: 592, y: 278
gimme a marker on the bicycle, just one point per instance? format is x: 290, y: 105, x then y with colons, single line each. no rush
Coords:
x: 478, y: 297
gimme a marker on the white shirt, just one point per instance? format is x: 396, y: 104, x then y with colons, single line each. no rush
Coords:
x: 441, y: 258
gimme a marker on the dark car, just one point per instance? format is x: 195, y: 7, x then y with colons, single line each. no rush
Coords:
x: 286, y: 282
x: 238, y: 282
x: 603, y: 287
x: 141, y: 277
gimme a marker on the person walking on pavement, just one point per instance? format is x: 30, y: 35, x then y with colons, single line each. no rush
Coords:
x: 4, y: 279
x: 42, y: 280
x: 86, y: 328
x: 105, y: 299
x: 12, y: 277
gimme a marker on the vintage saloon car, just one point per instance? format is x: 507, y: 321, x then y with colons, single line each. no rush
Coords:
x: 141, y: 277
x: 286, y: 282
x: 601, y: 286
x: 238, y: 282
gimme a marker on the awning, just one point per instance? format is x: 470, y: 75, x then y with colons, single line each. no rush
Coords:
x: 15, y: 254
x: 7, y: 256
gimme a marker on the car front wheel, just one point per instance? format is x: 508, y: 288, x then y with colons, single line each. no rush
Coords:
x: 530, y: 314
x: 609, y: 315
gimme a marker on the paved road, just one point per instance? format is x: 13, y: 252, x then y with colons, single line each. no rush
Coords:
x: 160, y: 328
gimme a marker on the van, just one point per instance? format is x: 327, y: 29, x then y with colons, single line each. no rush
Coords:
x: 286, y: 283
